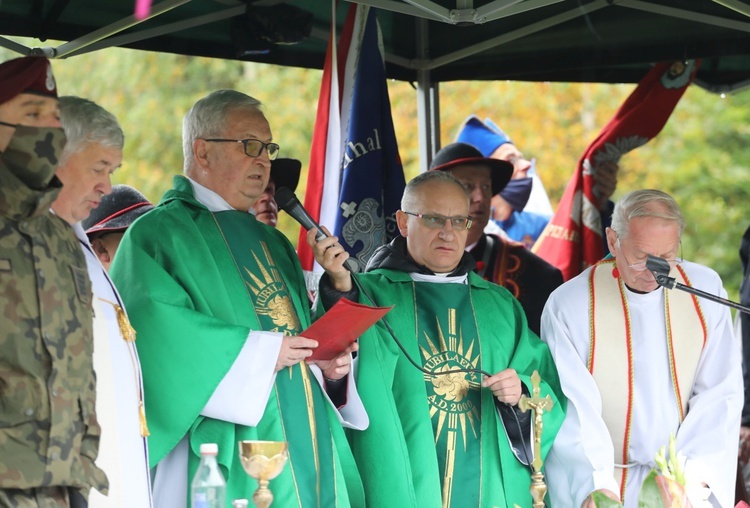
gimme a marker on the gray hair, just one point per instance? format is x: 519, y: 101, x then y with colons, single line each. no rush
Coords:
x: 85, y: 122
x: 410, y: 198
x: 646, y: 203
x: 208, y: 118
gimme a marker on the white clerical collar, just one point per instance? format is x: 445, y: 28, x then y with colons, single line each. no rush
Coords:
x: 440, y: 278
x: 209, y: 198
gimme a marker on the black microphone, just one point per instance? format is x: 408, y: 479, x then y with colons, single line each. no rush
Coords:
x: 288, y: 202
x: 660, y: 268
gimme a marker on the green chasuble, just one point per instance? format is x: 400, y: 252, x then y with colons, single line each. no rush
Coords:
x: 436, y: 442
x: 195, y: 283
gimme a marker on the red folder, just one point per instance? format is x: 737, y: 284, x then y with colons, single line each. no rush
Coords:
x: 341, y: 325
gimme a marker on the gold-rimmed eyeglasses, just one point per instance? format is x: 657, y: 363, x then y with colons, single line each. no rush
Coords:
x: 253, y: 147
x: 438, y: 221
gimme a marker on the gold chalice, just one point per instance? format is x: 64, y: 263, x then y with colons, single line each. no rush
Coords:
x: 263, y: 460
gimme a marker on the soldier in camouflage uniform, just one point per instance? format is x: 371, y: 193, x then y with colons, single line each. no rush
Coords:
x: 49, y: 435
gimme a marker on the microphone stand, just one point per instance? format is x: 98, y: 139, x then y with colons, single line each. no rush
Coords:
x: 660, y: 268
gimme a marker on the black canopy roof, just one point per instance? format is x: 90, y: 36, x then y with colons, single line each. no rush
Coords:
x: 527, y: 40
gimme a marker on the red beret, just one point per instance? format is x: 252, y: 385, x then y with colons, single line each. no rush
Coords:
x: 30, y: 74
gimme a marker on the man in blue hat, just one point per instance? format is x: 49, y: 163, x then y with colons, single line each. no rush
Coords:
x: 529, y: 278
x: 508, y: 206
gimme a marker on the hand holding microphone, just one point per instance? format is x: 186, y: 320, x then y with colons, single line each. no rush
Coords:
x: 327, y: 251
x: 332, y: 257
x: 288, y: 202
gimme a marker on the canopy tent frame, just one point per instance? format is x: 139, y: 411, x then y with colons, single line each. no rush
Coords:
x: 424, y: 62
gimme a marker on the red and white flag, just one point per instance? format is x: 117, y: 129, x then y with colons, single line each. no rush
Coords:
x: 573, y: 241
x: 355, y: 180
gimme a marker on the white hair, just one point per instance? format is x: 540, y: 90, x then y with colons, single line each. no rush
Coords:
x: 86, y: 122
x: 208, y: 118
x: 645, y: 203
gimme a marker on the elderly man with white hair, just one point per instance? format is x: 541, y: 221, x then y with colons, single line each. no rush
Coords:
x: 93, y: 152
x: 220, y: 305
x: 639, y: 363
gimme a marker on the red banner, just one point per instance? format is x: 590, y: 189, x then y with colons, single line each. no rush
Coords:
x: 573, y: 241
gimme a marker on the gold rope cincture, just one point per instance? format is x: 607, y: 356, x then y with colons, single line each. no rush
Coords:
x: 128, y: 333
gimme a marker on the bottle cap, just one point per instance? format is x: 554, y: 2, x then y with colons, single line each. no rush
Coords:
x: 209, y: 449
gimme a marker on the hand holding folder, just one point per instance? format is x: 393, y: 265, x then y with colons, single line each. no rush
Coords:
x: 341, y: 325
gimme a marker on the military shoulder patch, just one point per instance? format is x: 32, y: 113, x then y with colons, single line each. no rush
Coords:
x: 5, y: 265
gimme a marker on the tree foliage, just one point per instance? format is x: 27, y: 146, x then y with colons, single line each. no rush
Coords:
x: 700, y: 157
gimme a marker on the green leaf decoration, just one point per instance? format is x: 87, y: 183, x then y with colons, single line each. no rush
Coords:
x: 650, y: 494
x: 602, y: 501
x: 661, y: 462
x: 676, y: 461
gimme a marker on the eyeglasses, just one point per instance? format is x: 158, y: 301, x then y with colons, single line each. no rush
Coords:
x: 641, y: 267
x: 253, y: 147
x: 438, y: 221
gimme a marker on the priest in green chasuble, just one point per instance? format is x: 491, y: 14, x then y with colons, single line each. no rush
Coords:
x: 218, y: 301
x: 452, y: 438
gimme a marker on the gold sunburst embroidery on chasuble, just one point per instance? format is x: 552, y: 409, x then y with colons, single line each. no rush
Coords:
x: 448, y: 339
x: 271, y: 295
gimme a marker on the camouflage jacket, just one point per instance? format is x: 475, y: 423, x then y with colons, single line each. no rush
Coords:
x: 49, y: 435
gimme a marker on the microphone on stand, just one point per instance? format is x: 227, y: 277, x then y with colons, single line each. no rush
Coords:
x: 287, y: 201
x: 659, y: 267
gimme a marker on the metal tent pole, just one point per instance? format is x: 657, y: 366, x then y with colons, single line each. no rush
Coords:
x: 428, y: 102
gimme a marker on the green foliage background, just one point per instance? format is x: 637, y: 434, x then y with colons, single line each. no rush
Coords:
x: 701, y: 157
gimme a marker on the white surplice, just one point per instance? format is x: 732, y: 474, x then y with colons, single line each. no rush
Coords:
x: 123, y: 454
x: 582, y: 456
x: 252, y: 373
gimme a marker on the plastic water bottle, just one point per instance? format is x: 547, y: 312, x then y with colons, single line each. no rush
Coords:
x: 209, y: 488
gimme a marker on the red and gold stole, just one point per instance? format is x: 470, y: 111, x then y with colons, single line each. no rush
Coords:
x: 611, y: 351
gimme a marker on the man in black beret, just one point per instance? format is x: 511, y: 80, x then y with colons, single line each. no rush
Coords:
x: 49, y: 435
x: 107, y: 224
x: 284, y: 173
